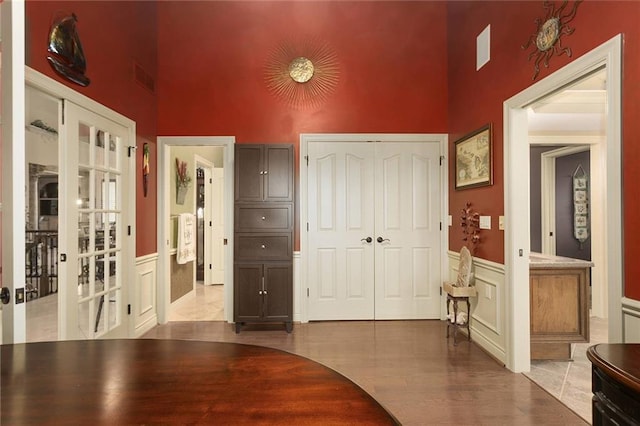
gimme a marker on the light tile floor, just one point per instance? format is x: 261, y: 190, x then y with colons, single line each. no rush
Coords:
x: 570, y: 381
x: 206, y: 303
x: 42, y: 319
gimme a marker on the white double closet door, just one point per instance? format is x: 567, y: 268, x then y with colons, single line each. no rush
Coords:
x: 374, y: 230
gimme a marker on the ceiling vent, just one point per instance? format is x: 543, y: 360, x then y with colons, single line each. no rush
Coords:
x: 143, y: 78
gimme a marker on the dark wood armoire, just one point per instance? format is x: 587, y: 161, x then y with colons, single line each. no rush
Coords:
x: 263, y: 244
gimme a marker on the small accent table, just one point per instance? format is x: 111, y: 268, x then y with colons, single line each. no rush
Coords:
x: 455, y: 295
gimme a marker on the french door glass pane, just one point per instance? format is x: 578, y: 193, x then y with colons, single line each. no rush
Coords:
x: 113, y: 152
x: 98, y: 219
x: 83, y: 148
x: 83, y: 319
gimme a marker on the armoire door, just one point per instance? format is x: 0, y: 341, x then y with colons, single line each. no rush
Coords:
x: 374, y: 230
x: 262, y: 172
x: 94, y: 248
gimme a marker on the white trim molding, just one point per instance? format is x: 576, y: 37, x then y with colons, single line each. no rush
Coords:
x: 164, y: 249
x: 607, y: 56
x: 306, y: 138
x: 299, y: 293
x: 630, y: 320
x: 145, y: 312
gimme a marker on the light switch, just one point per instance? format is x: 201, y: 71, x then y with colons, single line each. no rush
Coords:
x: 450, y: 220
x: 485, y: 222
x: 501, y: 223
x: 487, y: 292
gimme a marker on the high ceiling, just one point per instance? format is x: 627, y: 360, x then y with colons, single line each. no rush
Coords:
x: 578, y: 109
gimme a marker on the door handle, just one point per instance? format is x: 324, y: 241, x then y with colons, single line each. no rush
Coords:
x: 5, y: 295
x: 380, y: 239
x: 368, y: 239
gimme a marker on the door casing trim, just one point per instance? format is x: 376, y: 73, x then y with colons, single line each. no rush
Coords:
x: 49, y: 86
x: 164, y: 174
x: 517, y: 204
x: 306, y: 138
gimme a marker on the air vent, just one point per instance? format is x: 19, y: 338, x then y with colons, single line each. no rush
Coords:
x: 143, y: 78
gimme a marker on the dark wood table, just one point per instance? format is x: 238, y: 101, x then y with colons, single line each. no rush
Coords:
x: 148, y: 381
x: 615, y: 383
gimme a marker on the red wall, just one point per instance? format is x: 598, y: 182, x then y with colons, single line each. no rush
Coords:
x: 404, y: 67
x: 113, y: 36
x: 476, y: 98
x: 392, y: 59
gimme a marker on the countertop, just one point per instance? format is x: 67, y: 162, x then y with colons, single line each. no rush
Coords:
x: 539, y: 261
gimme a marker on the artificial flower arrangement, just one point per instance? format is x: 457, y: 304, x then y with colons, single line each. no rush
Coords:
x: 182, y: 174
x: 183, y: 180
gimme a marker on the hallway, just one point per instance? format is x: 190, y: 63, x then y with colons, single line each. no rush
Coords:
x: 206, y: 303
x: 408, y: 366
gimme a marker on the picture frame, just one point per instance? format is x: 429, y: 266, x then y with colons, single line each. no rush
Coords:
x: 474, y: 159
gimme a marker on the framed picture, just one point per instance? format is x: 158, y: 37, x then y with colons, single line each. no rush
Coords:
x: 474, y: 159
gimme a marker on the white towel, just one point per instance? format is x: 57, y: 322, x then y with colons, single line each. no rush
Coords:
x: 186, y: 238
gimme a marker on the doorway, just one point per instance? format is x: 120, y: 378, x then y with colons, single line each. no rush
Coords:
x: 374, y: 211
x: 42, y: 205
x: 193, y: 301
x: 607, y: 57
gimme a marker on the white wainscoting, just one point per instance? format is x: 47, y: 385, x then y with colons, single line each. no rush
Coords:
x: 144, y: 308
x: 488, y: 309
x: 630, y: 320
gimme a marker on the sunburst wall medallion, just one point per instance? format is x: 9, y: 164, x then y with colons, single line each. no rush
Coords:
x: 547, y: 40
x: 303, y: 74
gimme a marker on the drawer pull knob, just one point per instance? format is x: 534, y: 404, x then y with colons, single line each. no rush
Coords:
x: 264, y: 218
x: 263, y: 246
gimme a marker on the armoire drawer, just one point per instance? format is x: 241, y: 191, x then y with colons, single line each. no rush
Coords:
x: 272, y: 246
x: 263, y: 217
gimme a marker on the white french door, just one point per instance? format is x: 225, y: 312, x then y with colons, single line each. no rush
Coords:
x: 374, y: 230
x: 93, y: 249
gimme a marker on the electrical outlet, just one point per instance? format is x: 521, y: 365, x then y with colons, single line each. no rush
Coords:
x: 501, y: 223
x: 485, y: 222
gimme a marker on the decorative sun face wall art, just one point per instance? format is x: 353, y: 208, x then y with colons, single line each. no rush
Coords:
x: 302, y: 74
x: 547, y: 40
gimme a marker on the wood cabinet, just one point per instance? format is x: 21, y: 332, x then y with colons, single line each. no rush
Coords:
x: 615, y: 384
x: 264, y: 173
x: 559, y: 305
x: 263, y: 293
x: 263, y: 237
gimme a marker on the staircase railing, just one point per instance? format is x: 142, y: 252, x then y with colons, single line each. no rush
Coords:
x: 41, y: 263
